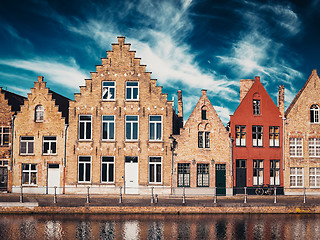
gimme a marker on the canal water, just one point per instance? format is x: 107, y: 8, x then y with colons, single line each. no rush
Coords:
x: 246, y: 226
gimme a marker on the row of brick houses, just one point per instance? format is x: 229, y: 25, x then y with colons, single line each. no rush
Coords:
x: 120, y: 131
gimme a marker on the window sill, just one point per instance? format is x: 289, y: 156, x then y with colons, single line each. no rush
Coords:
x: 155, y: 141
x: 29, y: 185
x: 108, y: 141
x: 108, y: 100
x: 274, y: 146
x: 257, y: 146
x: 241, y: 146
x: 54, y: 154
x: 131, y: 141
x: 84, y: 140
x: 154, y: 184
x: 108, y: 183
x: 132, y: 100
x: 292, y: 187
x: 296, y: 156
x: 84, y: 183
x: 23, y: 154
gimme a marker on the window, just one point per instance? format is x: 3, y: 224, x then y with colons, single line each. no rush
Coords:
x: 155, y: 128
x: 257, y: 136
x: 296, y: 147
x: 107, y: 169
x: 203, y: 139
x: 132, y: 90
x: 257, y: 172
x: 29, y: 174
x: 256, y: 107
x: 183, y: 174
x: 49, y: 145
x: 296, y: 177
x: 108, y: 127
x: 274, y: 136
x: 314, y: 177
x: 155, y: 169
x: 203, y: 175
x: 26, y: 145
x: 39, y: 112
x: 4, y: 136
x: 132, y: 126
x: 314, y: 147
x: 204, y: 113
x: 241, y: 163
x: 240, y: 136
x: 314, y: 113
x: 274, y: 172
x: 85, y: 127
x: 84, y: 169
x: 108, y: 90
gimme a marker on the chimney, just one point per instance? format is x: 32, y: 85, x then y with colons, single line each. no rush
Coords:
x: 245, y: 85
x: 40, y: 78
x: 204, y: 92
x: 180, y: 104
x: 281, y: 100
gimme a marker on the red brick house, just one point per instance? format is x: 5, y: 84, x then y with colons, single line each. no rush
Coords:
x: 257, y: 132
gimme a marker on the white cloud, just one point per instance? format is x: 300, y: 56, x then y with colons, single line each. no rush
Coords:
x: 224, y: 113
x: 67, y: 74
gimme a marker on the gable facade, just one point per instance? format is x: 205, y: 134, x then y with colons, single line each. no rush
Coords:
x: 302, y: 140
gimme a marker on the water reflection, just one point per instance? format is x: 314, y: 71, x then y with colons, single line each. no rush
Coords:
x: 159, y: 227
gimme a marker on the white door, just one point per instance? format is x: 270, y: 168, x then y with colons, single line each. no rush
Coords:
x: 131, y: 175
x: 53, y: 178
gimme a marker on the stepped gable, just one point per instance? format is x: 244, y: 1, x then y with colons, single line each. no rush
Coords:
x: 14, y: 100
x: 314, y: 75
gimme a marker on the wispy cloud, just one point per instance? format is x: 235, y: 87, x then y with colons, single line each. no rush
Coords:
x: 224, y: 113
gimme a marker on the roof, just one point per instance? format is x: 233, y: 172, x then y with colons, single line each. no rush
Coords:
x: 63, y: 104
x: 14, y: 100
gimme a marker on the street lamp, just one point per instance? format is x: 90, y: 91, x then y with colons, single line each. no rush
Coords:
x: 173, y: 144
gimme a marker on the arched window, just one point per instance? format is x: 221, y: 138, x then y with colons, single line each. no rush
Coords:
x: 314, y: 113
x: 39, y: 112
x: 204, y: 113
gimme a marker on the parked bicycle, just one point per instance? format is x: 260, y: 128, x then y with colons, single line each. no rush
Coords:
x: 265, y: 190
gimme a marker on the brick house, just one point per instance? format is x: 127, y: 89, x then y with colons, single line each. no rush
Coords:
x: 39, y: 141
x: 302, y: 140
x: 9, y: 105
x: 257, y: 129
x: 120, y: 124
x: 203, y: 154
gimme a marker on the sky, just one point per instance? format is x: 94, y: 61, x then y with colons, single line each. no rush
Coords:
x: 187, y: 44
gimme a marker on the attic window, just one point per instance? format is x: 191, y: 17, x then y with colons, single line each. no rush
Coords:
x: 314, y: 113
x: 39, y: 113
x: 256, y: 107
x: 204, y: 113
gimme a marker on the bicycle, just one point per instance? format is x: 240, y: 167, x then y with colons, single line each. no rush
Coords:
x: 264, y: 190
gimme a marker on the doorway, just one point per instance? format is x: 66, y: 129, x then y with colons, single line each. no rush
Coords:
x: 221, y: 179
x: 53, y: 178
x: 241, y: 176
x: 131, y: 175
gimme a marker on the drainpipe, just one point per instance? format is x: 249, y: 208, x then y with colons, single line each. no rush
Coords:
x: 283, y: 142
x: 13, y: 117
x: 65, y: 157
x: 231, y: 150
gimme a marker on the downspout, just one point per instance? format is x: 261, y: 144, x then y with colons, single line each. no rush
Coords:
x: 283, y: 143
x: 13, y: 117
x: 65, y: 157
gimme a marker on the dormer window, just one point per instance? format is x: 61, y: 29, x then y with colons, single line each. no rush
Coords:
x: 39, y: 112
x: 204, y: 113
x: 314, y: 113
x: 256, y: 107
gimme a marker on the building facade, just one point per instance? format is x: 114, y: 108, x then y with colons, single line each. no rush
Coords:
x: 120, y: 124
x: 257, y: 131
x: 302, y: 139
x: 39, y: 141
x: 202, y: 158
x: 9, y: 105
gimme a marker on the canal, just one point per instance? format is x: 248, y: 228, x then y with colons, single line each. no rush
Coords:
x: 245, y: 226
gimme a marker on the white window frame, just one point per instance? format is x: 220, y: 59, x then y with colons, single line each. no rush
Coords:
x: 240, y: 132
x: 296, y: 147
x: 314, y: 147
x: 39, y: 113
x: 109, y: 124
x: 111, y: 90
x: 131, y: 88
x: 30, y: 172
x: 203, y: 139
x: 85, y: 124
x: 203, y: 177
x: 257, y: 142
x: 4, y: 133
x: 155, y: 124
x: 274, y: 137
x: 296, y: 174
x: 108, y: 163
x: 258, y: 180
x: 314, y: 113
x: 50, y: 142
x: 256, y: 103
x: 275, y: 167
x: 314, y: 172
x: 155, y: 164
x: 84, y: 162
x: 29, y: 145
x: 132, y: 123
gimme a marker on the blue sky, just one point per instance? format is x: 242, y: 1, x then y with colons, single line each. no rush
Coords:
x: 187, y: 45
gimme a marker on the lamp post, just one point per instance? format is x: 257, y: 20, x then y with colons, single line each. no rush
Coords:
x: 173, y: 144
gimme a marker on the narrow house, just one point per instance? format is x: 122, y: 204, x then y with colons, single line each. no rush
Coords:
x: 203, y: 156
x: 257, y: 132
x: 120, y: 124
x: 302, y: 140
x: 39, y: 141
x: 10, y: 104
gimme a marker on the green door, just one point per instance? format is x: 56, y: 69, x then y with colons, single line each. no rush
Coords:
x: 221, y: 179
